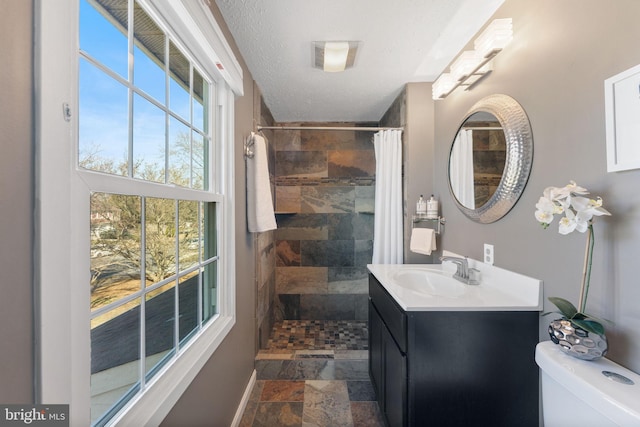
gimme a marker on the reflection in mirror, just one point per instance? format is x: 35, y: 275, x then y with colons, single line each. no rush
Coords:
x: 491, y: 158
x: 477, y: 159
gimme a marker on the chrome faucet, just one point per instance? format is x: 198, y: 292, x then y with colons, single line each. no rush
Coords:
x: 464, y: 274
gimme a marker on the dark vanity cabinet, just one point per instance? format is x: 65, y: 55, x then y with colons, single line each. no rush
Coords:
x: 452, y: 368
x: 388, y: 370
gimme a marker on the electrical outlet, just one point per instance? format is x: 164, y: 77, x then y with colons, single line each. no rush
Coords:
x: 488, y: 254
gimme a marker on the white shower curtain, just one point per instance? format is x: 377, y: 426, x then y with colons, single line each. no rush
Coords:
x: 387, y: 228
x: 461, y: 168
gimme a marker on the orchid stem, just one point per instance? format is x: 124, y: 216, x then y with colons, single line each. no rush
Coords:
x: 586, y: 271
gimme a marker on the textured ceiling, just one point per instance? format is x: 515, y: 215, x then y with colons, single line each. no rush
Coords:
x: 401, y: 41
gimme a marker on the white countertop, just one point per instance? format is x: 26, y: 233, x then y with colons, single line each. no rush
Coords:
x: 499, y: 289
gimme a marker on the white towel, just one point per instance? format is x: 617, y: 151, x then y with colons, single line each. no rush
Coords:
x: 260, y: 215
x: 423, y: 241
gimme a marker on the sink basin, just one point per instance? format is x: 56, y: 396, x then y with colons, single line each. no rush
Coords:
x: 431, y: 287
x: 429, y: 282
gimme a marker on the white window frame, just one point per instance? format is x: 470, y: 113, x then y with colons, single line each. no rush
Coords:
x: 63, y: 216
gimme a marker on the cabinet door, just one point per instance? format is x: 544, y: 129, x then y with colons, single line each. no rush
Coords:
x: 376, y: 351
x: 395, y: 382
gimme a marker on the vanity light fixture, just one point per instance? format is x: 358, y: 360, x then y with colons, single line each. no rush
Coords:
x: 472, y: 65
x: 334, y: 56
x: 494, y: 38
x: 444, y: 85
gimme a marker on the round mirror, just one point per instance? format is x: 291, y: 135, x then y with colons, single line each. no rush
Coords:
x: 491, y: 158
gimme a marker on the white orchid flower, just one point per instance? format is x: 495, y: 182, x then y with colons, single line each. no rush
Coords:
x: 544, y: 217
x: 546, y: 205
x: 570, y: 201
x: 593, y: 207
x: 561, y: 193
x: 574, y: 188
x: 567, y: 226
x: 582, y: 224
x: 568, y: 223
x: 563, y: 204
x: 555, y: 193
x: 546, y: 209
x: 583, y: 208
x: 578, y: 215
x: 586, y: 209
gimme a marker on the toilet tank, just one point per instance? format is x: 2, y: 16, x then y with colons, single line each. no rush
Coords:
x: 584, y: 393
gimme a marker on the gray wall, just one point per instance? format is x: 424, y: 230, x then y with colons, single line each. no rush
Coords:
x: 16, y: 204
x: 413, y: 109
x: 555, y: 67
x: 418, y: 155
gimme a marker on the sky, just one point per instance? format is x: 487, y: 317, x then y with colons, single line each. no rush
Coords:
x: 104, y: 100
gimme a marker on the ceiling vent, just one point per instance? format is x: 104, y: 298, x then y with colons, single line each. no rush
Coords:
x: 334, y: 57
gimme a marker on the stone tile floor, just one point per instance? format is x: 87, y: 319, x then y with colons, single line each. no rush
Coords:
x: 311, y: 387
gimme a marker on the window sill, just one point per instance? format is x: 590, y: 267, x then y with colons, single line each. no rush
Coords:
x: 153, y: 405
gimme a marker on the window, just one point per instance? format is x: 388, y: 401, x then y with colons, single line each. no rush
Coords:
x: 147, y: 118
x: 136, y: 264
x: 175, y: 253
x: 153, y: 260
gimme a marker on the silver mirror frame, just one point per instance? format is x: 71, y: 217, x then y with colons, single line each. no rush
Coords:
x: 519, y: 158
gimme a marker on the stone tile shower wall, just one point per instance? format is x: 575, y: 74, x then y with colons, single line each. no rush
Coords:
x: 265, y: 242
x: 324, y: 201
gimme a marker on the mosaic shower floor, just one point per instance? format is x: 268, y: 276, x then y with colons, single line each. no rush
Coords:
x: 319, y: 335
x: 314, y: 373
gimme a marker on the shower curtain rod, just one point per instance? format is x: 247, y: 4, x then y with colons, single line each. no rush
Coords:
x: 363, y: 128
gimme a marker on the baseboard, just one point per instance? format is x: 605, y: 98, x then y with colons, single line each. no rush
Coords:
x: 245, y: 399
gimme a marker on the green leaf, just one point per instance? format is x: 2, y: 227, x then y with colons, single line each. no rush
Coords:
x: 565, y: 307
x: 600, y: 320
x: 590, y: 326
x: 546, y: 313
x: 579, y: 316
